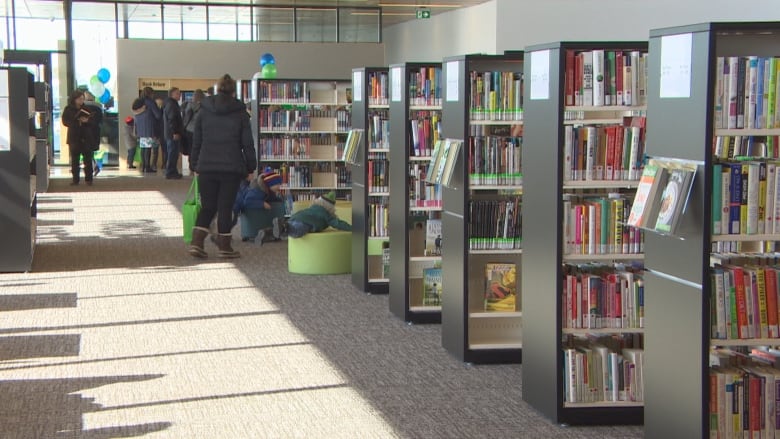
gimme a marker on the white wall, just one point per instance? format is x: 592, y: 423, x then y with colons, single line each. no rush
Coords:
x: 525, y: 22
x: 212, y: 59
x: 458, y: 32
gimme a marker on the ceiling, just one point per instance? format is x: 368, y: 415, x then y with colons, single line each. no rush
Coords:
x: 393, y: 11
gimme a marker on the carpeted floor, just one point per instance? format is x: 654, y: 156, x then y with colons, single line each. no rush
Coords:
x: 117, y: 332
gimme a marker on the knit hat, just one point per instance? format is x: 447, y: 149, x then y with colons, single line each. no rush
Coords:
x: 330, y: 197
x: 271, y: 178
x: 129, y: 120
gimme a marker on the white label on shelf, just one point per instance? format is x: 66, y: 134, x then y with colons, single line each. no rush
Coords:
x: 357, y: 86
x: 395, y: 90
x: 4, y: 83
x: 453, y: 74
x: 540, y: 75
x: 676, y: 66
x: 5, y: 126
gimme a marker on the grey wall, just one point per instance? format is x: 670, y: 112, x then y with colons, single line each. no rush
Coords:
x: 459, y: 32
x: 211, y: 59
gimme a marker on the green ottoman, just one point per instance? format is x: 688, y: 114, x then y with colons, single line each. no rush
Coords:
x: 328, y: 252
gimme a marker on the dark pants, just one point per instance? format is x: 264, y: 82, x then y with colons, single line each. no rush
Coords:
x: 296, y: 229
x: 146, y: 160
x: 172, y: 157
x: 155, y: 155
x: 217, y: 195
x: 131, y: 156
x: 75, y: 158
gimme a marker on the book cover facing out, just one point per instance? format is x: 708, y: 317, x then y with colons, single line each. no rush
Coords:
x: 673, y: 200
x: 432, y: 287
x: 500, y: 286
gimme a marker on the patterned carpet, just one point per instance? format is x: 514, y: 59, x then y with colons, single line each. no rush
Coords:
x: 117, y: 332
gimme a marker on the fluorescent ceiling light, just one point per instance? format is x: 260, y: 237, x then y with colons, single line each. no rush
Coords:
x: 413, y: 5
x: 394, y: 14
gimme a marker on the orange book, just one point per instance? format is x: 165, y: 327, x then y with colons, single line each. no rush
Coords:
x: 739, y: 284
x: 771, y: 301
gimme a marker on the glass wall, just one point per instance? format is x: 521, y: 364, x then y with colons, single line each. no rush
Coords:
x: 316, y: 25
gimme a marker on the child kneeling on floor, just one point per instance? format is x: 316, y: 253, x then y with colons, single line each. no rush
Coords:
x: 313, y: 219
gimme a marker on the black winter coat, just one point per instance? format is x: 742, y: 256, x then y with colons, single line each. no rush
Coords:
x: 222, y: 141
x: 172, y: 119
x: 76, y: 130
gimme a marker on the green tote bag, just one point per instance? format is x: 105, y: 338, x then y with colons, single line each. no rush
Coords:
x: 190, y: 210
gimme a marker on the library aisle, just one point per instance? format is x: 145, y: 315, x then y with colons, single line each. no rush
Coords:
x: 118, y: 332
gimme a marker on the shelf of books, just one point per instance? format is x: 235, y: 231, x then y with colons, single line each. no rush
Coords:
x: 370, y: 188
x: 415, y: 206
x: 18, y: 223
x: 712, y: 293
x: 582, y: 281
x: 481, y: 262
x: 300, y: 126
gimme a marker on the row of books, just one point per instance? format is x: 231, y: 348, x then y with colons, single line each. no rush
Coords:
x: 596, y: 373
x: 283, y: 92
x: 301, y: 120
x: 661, y: 196
x: 745, y: 302
x: 602, y: 296
x: 495, y: 160
x: 377, y: 88
x: 421, y: 193
x: 495, y: 224
x: 378, y: 219
x: 745, y: 198
x: 319, y: 175
x: 496, y: 95
x: 291, y: 147
x: 425, y: 131
x: 594, y: 225
x: 425, y: 87
x: 746, y: 92
x: 735, y: 147
x: 605, y: 77
x: 744, y: 402
x: 605, y: 152
x: 379, y: 130
x: 378, y: 173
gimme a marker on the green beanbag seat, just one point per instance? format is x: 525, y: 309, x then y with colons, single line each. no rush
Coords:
x: 326, y: 252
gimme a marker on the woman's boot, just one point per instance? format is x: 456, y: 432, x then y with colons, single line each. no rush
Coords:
x: 196, y: 245
x: 225, y: 249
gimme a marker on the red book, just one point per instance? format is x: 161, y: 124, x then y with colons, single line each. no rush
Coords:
x: 619, y: 76
x: 739, y: 286
x: 569, y: 79
x: 771, y: 301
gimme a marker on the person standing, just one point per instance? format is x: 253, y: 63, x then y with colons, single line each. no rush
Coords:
x: 146, y: 114
x: 131, y: 139
x: 76, y: 118
x: 223, y: 154
x: 172, y: 131
x: 92, y: 133
x: 190, y: 111
x: 159, y: 135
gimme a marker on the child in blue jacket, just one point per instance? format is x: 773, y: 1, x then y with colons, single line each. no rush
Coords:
x: 258, y: 193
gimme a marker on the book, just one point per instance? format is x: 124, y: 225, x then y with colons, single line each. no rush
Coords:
x: 452, y: 152
x: 436, y: 159
x: 432, y: 287
x: 673, y: 200
x: 433, y: 238
x: 500, y: 286
x: 351, y: 145
x: 647, y: 200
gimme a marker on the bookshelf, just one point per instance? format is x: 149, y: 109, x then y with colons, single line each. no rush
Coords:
x: 415, y: 100
x: 687, y: 120
x: 370, y: 188
x: 483, y: 107
x: 17, y: 151
x: 300, y: 126
x: 569, y: 127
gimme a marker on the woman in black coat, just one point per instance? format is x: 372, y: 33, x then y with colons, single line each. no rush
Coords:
x: 77, y: 119
x: 222, y: 155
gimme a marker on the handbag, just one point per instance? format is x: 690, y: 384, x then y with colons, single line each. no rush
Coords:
x: 190, y: 210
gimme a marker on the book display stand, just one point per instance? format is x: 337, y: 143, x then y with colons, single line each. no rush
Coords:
x: 711, y: 302
x: 370, y: 186
x: 481, y: 223
x: 415, y: 206
x: 582, y: 278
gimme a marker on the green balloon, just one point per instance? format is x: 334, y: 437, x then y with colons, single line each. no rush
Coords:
x: 269, y: 71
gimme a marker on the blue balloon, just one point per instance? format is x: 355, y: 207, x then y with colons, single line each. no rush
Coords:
x: 267, y: 58
x: 103, y: 75
x: 105, y: 97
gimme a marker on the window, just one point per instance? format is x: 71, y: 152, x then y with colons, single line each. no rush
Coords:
x: 315, y: 25
x: 244, y: 21
x: 194, y: 23
x: 172, y: 16
x: 275, y: 24
x: 359, y: 25
x: 143, y: 21
x: 222, y: 23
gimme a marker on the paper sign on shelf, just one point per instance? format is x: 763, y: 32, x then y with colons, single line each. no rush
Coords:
x: 395, y: 86
x: 453, y: 74
x: 357, y: 86
x: 540, y: 75
x: 676, y: 66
